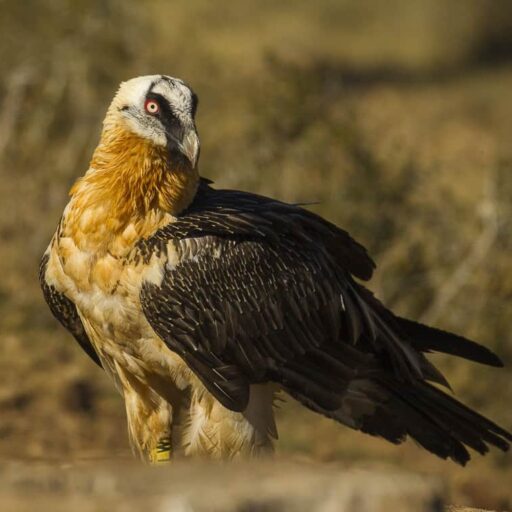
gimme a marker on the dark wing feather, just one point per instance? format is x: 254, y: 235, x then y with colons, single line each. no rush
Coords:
x: 428, y: 339
x: 65, y: 312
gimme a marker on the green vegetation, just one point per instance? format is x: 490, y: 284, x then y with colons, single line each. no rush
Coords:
x: 396, y: 117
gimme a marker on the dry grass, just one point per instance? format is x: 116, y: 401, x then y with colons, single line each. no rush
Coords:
x: 383, y: 112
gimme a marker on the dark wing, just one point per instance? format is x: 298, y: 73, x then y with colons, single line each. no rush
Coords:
x: 259, y: 283
x: 263, y: 292
x: 65, y: 312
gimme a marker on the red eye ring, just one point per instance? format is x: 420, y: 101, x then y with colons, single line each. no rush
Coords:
x: 151, y: 107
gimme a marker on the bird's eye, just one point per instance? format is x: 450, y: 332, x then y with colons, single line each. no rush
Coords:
x: 151, y: 107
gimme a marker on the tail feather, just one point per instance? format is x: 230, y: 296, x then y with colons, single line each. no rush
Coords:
x: 427, y: 430
x: 464, y: 434
x: 466, y: 417
x: 389, y: 409
x: 444, y: 425
x: 455, y: 424
x: 426, y: 339
x: 432, y: 374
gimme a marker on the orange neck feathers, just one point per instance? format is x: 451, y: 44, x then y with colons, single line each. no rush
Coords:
x: 130, y: 182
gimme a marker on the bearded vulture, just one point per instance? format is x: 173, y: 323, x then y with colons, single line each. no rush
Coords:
x: 201, y: 304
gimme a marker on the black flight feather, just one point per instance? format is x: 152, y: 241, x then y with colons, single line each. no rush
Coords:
x: 425, y: 338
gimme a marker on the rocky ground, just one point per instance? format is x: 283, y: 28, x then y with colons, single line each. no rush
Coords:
x: 259, y: 486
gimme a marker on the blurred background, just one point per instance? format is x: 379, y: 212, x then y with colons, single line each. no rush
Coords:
x: 396, y: 117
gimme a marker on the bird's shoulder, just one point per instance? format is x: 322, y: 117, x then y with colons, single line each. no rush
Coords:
x: 233, y: 215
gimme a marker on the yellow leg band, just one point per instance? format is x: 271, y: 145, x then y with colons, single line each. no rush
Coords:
x: 162, y: 452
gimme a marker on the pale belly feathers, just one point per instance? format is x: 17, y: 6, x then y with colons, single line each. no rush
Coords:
x: 106, y: 291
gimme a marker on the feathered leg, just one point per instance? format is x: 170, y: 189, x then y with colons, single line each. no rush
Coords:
x: 149, y: 419
x: 212, y: 430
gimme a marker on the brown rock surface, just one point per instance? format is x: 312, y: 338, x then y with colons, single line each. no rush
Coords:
x: 195, y: 487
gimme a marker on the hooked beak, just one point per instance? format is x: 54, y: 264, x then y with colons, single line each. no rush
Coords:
x: 190, y: 146
x: 185, y: 142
